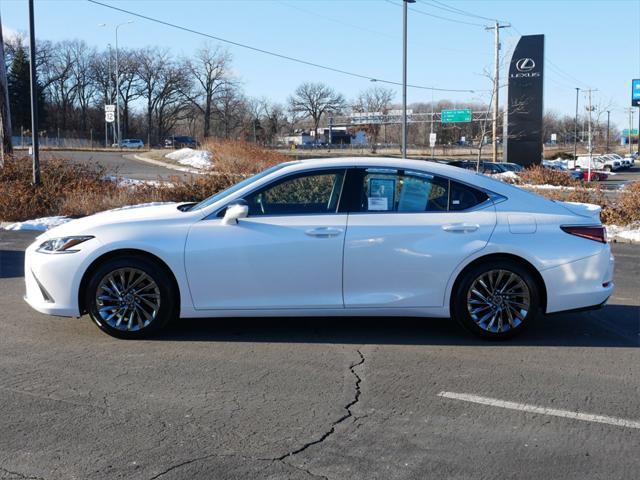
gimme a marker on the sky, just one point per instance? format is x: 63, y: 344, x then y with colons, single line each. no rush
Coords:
x: 588, y: 43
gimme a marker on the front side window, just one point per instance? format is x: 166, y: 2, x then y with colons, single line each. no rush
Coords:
x: 304, y: 194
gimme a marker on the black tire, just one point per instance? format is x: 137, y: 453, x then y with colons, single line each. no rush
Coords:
x: 607, y: 168
x: 162, y: 286
x: 463, y: 300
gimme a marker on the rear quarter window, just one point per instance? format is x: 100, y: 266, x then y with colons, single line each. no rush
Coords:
x: 463, y: 197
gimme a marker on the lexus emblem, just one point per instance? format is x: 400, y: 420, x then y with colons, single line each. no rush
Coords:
x: 525, y: 65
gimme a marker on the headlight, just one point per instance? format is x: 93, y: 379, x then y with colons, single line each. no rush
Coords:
x: 62, y: 244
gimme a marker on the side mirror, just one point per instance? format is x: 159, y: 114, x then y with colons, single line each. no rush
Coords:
x: 235, y: 211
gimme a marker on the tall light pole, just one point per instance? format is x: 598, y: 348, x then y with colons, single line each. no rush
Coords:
x: 118, y: 133
x: 404, y: 76
x: 608, y: 128
x: 575, y: 128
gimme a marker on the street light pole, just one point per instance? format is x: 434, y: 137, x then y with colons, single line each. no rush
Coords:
x: 404, y: 76
x: 118, y: 85
x: 575, y: 128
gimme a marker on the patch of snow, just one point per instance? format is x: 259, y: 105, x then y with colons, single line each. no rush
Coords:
x: 509, y: 177
x: 630, y: 232
x: 201, y: 159
x: 38, y: 224
x: 134, y: 182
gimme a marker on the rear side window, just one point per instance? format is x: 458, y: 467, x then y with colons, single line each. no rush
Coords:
x: 387, y: 190
x: 464, y: 197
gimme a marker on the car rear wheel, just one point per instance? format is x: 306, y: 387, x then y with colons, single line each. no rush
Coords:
x: 130, y: 297
x: 496, y: 300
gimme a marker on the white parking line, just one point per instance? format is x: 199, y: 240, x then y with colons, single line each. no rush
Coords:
x: 523, y: 407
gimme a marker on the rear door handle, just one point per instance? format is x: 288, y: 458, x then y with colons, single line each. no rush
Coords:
x: 324, y: 232
x: 461, y: 227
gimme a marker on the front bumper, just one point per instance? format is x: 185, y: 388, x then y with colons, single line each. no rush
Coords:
x: 580, y: 284
x: 52, y: 281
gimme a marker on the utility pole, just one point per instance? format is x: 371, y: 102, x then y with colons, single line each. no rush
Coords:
x: 608, y: 128
x: 590, y: 109
x: 575, y: 128
x: 34, y: 97
x: 496, y: 85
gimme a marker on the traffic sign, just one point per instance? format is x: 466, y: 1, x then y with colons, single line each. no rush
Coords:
x: 109, y: 108
x: 109, y: 117
x: 432, y: 139
x: 455, y: 116
x: 625, y: 132
x: 635, y: 92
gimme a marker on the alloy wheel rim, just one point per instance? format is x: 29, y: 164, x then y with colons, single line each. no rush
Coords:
x: 498, y: 301
x: 128, y: 299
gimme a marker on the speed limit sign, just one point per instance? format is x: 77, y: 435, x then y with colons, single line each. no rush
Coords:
x: 110, y: 117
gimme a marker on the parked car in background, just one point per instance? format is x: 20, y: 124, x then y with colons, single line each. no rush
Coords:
x: 132, y: 143
x: 558, y: 166
x: 180, y: 141
x: 596, y: 175
x: 511, y: 167
x: 626, y: 162
x: 330, y: 237
x: 489, y: 168
x: 598, y: 162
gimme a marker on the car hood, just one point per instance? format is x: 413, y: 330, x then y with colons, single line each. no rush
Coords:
x: 118, y: 216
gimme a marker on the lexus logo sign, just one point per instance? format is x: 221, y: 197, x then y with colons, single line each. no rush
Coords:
x: 525, y: 65
x: 525, y: 69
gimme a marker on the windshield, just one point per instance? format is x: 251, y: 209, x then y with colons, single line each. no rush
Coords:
x: 234, y: 188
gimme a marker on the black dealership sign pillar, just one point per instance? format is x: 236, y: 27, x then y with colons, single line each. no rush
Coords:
x: 522, y: 138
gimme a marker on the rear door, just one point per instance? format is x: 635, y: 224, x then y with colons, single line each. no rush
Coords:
x: 409, y: 232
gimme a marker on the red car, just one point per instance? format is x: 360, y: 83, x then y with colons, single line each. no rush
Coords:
x: 596, y: 176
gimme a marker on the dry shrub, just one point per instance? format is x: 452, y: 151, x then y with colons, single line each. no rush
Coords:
x: 539, y: 175
x: 241, y: 158
x: 626, y: 209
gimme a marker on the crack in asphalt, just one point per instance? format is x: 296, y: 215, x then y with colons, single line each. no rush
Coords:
x: 282, y: 458
x: 20, y: 475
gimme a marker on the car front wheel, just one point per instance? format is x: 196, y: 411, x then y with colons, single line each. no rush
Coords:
x: 130, y: 297
x: 496, y: 300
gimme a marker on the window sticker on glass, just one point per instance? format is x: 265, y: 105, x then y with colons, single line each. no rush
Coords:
x: 377, y: 204
x: 414, y: 195
x: 381, y: 193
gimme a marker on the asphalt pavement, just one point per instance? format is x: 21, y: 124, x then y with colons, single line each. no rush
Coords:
x: 360, y: 398
x: 120, y: 164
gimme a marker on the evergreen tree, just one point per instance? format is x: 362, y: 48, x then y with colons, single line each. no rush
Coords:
x: 18, y: 81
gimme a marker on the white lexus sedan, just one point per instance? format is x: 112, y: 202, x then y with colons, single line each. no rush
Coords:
x: 330, y: 237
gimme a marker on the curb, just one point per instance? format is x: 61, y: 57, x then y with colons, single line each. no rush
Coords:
x: 170, y: 166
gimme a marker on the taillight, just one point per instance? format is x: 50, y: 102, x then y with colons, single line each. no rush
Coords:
x: 596, y: 233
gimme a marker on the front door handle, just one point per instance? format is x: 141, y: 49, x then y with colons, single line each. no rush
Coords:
x: 461, y: 227
x: 324, y: 232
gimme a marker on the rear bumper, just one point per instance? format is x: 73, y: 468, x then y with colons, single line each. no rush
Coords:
x: 584, y: 284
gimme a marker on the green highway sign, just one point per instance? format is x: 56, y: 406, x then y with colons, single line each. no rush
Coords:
x: 455, y: 116
x: 625, y: 132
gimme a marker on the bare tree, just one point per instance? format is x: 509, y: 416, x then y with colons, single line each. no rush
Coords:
x: 129, y: 83
x: 374, y: 99
x: 85, y: 87
x: 153, y: 67
x: 209, y: 70
x: 230, y: 110
x: 315, y: 100
x: 275, y: 119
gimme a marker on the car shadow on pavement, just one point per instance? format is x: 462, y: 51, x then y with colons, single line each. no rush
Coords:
x: 612, y: 326
x: 11, y: 263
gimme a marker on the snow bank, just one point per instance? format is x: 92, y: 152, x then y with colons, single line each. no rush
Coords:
x: 628, y: 233
x: 195, y: 158
x: 134, y: 182
x: 38, y: 224
x: 509, y: 177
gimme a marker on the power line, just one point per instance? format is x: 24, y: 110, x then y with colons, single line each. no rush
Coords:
x: 459, y: 11
x: 275, y: 54
x: 433, y: 15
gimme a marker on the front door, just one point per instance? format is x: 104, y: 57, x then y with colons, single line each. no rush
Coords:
x: 286, y: 254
